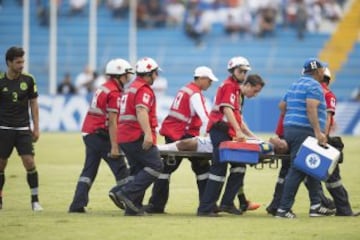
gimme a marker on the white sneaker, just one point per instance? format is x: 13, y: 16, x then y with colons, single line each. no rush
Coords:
x: 36, y: 207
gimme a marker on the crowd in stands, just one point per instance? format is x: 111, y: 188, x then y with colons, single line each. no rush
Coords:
x: 88, y: 81
x: 258, y: 18
x: 84, y: 83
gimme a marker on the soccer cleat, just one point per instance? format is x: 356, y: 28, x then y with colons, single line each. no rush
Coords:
x: 36, y: 207
x: 321, y: 212
x: 252, y: 206
x: 230, y: 209
x: 285, y: 214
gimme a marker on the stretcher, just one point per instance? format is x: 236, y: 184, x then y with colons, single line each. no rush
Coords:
x: 271, y: 159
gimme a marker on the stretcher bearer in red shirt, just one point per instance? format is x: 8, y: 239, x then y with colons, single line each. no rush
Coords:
x: 187, y: 115
x: 225, y: 124
x: 137, y: 138
x: 100, y: 133
x: 333, y: 183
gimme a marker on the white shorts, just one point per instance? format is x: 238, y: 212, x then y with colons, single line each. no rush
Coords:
x: 204, y: 144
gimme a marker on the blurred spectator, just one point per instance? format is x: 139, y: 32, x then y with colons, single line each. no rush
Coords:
x: 289, y: 8
x: 84, y: 81
x: 301, y: 18
x: 355, y: 95
x: 160, y: 86
x: 175, y: 11
x: 341, y: 3
x: 314, y: 17
x: 195, y: 27
x: 332, y: 10
x: 77, y: 6
x: 238, y: 21
x: 119, y: 8
x: 99, y: 79
x: 43, y: 12
x: 150, y: 14
x: 66, y: 86
x: 266, y: 20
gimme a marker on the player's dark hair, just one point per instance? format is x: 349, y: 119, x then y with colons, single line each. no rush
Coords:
x: 14, y: 52
x: 326, y: 80
x: 254, y: 80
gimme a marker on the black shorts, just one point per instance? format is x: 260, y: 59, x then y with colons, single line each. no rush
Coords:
x: 20, y: 139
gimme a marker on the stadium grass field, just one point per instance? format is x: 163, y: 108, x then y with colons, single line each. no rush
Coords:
x: 60, y: 157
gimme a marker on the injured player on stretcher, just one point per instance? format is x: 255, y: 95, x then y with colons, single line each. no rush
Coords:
x: 203, y: 144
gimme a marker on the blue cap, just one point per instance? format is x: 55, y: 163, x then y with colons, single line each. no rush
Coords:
x: 312, y: 64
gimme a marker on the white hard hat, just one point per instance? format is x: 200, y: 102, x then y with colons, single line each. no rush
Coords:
x: 146, y: 65
x: 238, y: 62
x: 118, y: 66
x: 204, y: 71
x: 327, y: 73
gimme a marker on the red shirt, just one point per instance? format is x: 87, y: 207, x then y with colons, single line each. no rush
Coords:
x: 106, y: 99
x: 227, y: 95
x: 181, y: 120
x: 280, y: 126
x: 139, y: 93
x: 330, y: 100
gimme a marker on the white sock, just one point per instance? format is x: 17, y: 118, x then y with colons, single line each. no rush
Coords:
x: 172, y: 146
x: 168, y: 147
x: 315, y: 206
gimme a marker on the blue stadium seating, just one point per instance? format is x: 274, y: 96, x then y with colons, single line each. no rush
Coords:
x: 278, y: 59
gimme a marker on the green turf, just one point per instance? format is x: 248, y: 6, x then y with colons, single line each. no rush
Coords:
x: 60, y: 158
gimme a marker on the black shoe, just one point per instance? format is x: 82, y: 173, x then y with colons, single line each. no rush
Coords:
x: 321, y: 212
x: 151, y: 209
x: 230, y: 209
x: 77, y: 210
x: 116, y: 201
x: 119, y: 197
x: 285, y: 214
x: 208, y: 214
x: 356, y: 214
x: 243, y: 207
x: 135, y: 214
x: 270, y: 210
x: 328, y: 203
x: 216, y: 209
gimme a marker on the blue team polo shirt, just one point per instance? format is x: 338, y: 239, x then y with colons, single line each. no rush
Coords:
x: 304, y: 88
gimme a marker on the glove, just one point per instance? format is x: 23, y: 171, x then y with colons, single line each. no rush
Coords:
x: 337, y: 143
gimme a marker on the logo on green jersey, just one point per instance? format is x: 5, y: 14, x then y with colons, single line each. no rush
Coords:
x: 23, y: 86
